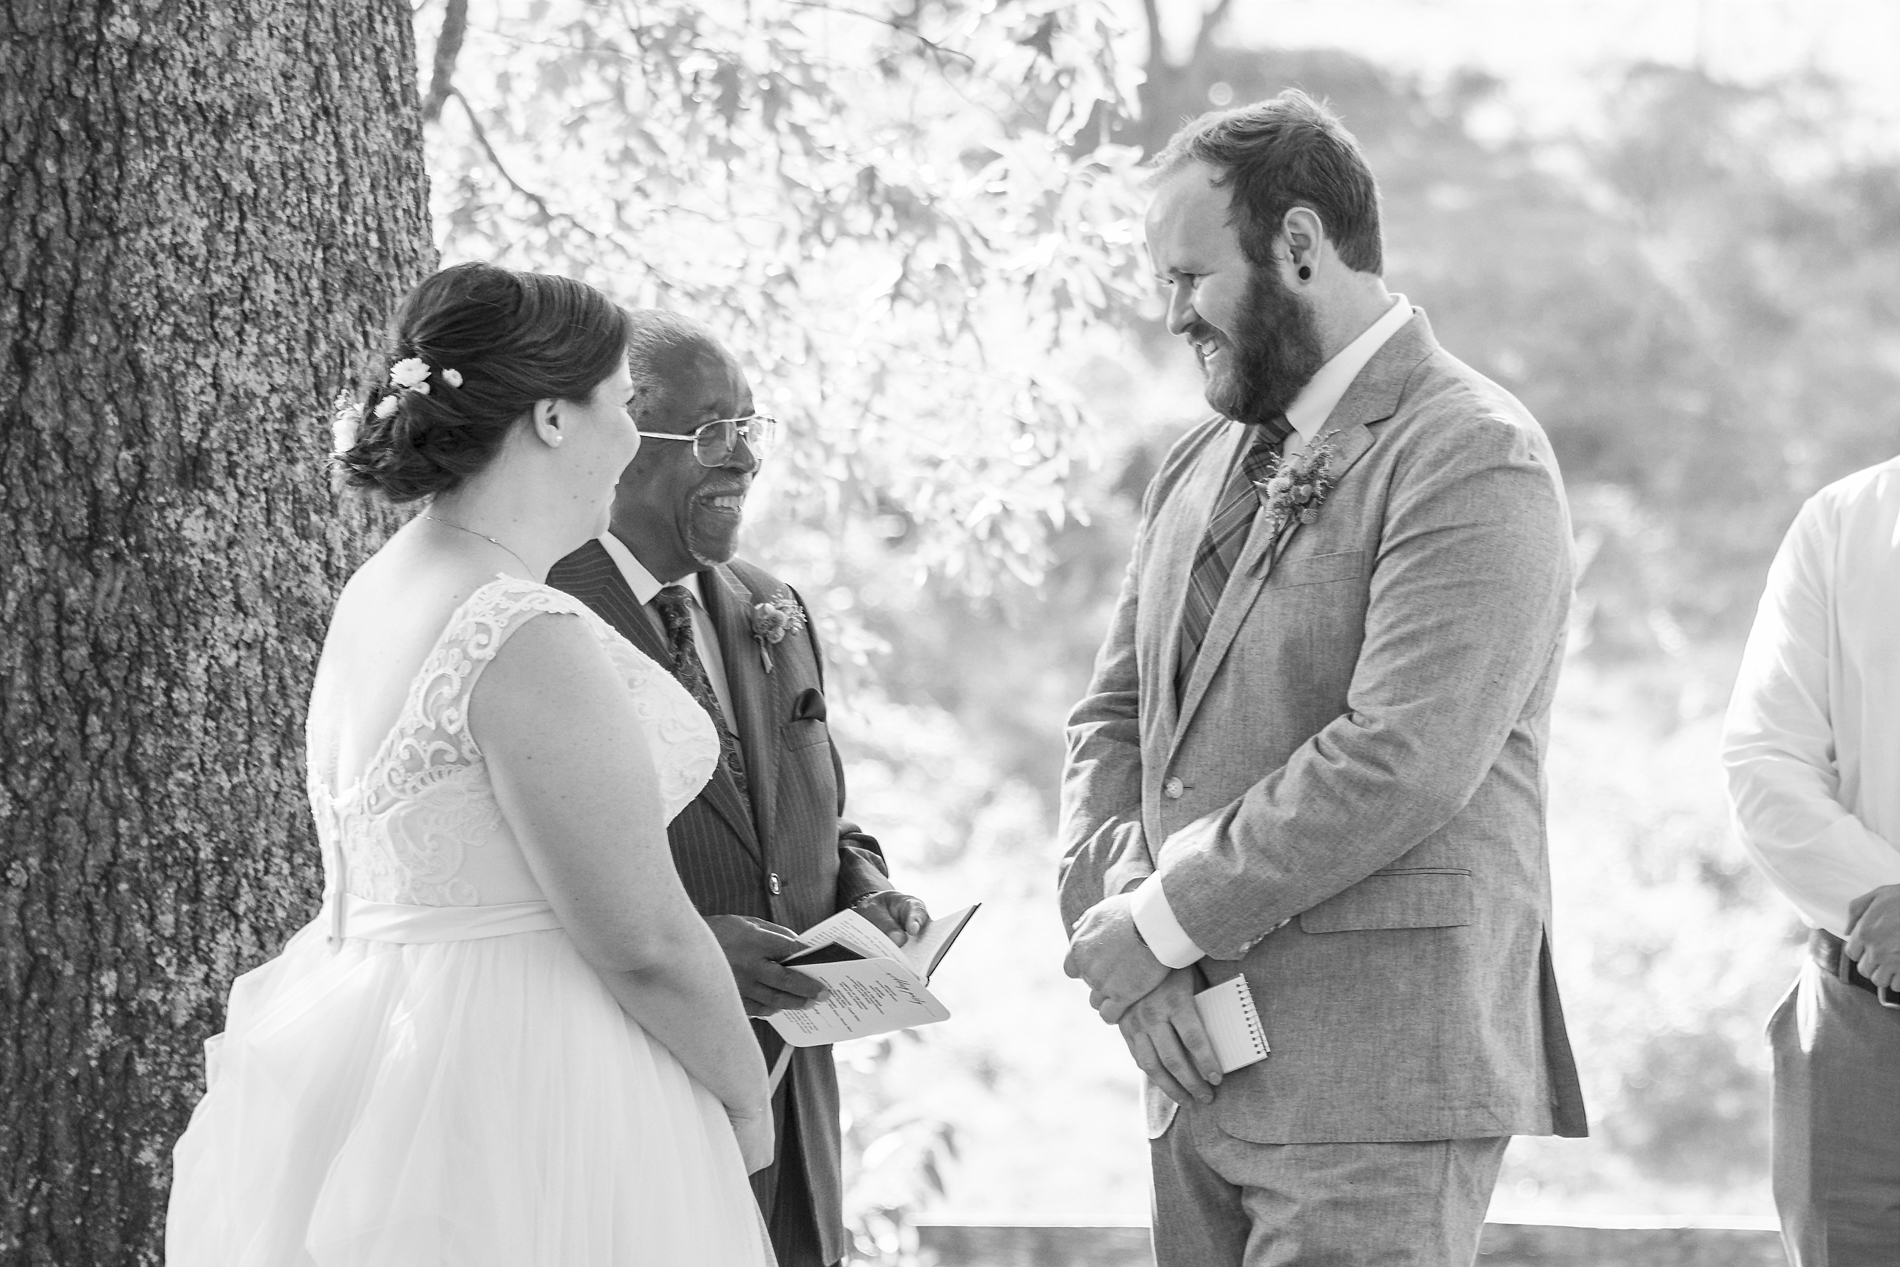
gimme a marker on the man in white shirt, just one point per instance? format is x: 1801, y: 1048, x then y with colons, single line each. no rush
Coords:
x: 1311, y: 752
x: 762, y: 851
x: 1812, y: 750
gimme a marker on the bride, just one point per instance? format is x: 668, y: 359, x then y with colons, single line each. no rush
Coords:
x: 506, y: 1038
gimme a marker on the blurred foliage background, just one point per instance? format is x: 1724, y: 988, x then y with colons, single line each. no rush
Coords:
x: 916, y: 222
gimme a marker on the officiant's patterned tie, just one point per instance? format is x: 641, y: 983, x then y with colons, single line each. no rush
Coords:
x: 675, y: 607
x: 1226, y: 534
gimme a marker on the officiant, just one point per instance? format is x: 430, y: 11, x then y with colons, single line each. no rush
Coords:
x: 763, y: 851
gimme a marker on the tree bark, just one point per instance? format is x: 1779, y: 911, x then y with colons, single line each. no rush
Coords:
x: 207, y: 208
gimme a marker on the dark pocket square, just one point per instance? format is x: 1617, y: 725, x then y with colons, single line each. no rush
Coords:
x: 809, y: 706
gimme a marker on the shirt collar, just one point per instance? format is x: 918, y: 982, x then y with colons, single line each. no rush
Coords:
x: 642, y: 582
x: 1323, y: 392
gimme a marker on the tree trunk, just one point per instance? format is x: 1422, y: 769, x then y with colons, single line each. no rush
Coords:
x: 207, y: 208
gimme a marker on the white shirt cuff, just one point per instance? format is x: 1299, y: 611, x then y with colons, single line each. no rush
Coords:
x: 1154, y: 919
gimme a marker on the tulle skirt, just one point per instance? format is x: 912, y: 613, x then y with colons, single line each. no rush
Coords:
x: 466, y: 1102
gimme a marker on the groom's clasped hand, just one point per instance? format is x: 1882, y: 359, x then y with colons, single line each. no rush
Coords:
x: 1152, y: 1003
x: 1106, y: 951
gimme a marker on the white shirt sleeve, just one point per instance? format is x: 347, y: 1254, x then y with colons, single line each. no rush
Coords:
x: 1154, y: 919
x: 1778, y: 742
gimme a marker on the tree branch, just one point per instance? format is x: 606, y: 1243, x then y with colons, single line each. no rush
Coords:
x: 1157, y: 52
x: 1210, y: 27
x: 939, y: 50
x: 481, y: 138
x: 448, y: 46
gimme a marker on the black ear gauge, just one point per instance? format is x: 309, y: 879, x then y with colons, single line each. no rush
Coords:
x: 1306, y: 273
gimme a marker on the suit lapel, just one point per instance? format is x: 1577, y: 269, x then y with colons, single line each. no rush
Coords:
x: 1174, y: 559
x: 1372, y: 398
x: 729, y: 603
x: 591, y: 575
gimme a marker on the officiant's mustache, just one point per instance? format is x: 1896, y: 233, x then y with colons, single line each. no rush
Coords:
x: 737, y: 486
x: 713, y: 516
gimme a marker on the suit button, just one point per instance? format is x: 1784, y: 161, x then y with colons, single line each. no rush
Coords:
x: 1173, y: 788
x: 772, y: 883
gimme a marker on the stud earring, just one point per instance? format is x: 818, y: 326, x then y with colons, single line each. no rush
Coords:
x: 1306, y: 273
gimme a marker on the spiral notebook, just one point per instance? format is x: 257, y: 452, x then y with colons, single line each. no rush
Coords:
x: 1232, y: 1023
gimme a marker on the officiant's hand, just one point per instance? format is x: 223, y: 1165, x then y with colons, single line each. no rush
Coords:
x: 1107, y: 952
x: 899, y: 916
x: 1165, y: 1036
x: 754, y: 947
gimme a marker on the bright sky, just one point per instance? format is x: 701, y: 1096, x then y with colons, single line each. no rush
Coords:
x: 1556, y: 54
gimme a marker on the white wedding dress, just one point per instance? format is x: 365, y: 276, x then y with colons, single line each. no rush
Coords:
x: 430, y: 1074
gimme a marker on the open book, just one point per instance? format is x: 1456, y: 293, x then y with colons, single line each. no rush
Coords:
x: 876, y: 985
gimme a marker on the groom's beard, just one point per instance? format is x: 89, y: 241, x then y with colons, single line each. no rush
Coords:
x: 1276, y: 352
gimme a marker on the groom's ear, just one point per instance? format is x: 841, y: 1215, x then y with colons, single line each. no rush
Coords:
x: 1303, y: 230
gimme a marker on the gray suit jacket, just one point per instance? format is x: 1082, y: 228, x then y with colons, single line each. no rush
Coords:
x: 1350, y: 790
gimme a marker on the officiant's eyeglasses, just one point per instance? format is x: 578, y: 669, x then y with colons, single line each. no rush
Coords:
x: 714, y: 442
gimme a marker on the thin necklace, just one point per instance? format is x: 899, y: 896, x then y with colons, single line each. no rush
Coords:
x: 485, y: 537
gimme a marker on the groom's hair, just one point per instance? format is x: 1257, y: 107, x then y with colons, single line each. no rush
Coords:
x: 1289, y: 151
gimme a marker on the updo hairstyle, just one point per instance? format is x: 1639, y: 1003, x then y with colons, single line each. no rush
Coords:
x: 510, y: 339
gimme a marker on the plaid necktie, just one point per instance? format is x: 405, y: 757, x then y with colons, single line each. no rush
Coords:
x: 1226, y: 534
x: 673, y: 604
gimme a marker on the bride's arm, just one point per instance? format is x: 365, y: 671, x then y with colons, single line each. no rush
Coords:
x: 576, y: 782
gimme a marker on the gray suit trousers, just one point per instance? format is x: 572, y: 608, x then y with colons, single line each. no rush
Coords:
x: 1836, y: 1123
x: 1225, y: 1202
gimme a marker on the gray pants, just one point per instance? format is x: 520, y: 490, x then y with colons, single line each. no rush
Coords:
x: 1836, y: 1123
x: 1226, y: 1202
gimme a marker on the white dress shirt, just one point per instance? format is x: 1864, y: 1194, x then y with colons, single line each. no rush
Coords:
x: 705, y: 638
x: 1812, y: 739
x: 1154, y: 918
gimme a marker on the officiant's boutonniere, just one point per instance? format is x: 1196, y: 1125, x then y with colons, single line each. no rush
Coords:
x: 1295, y: 488
x: 772, y: 620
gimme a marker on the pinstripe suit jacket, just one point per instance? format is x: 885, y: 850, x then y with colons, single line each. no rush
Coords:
x: 782, y: 854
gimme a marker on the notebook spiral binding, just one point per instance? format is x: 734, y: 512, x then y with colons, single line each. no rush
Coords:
x: 1255, y: 1030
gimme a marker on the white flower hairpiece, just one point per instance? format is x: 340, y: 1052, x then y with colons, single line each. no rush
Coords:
x: 345, y: 421
x: 410, y: 372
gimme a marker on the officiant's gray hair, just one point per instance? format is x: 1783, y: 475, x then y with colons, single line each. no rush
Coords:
x: 1288, y: 151
x: 652, y: 334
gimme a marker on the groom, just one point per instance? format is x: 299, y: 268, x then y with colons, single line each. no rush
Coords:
x: 1312, y: 750
x: 762, y: 851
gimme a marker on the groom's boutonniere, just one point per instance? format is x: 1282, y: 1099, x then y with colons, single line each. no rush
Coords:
x: 1295, y: 488
x: 772, y: 619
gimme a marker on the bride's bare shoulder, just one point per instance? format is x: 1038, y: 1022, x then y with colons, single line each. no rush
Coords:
x: 388, y: 617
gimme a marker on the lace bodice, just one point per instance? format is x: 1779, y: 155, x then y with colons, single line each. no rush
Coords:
x: 422, y: 825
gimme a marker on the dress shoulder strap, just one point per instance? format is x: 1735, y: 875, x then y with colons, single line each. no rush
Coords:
x: 475, y: 634
x: 497, y: 608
